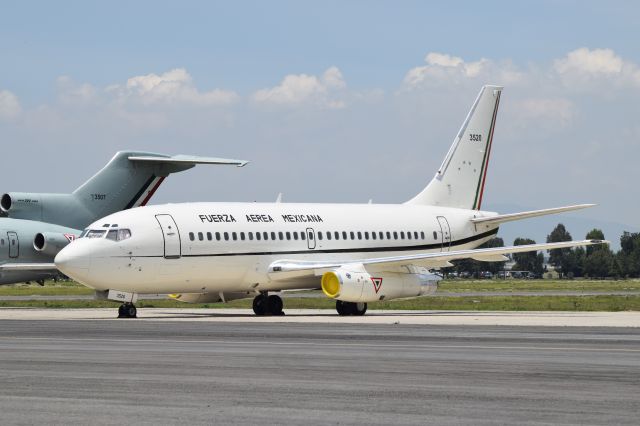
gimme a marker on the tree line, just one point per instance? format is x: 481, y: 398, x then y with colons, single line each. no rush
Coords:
x: 592, y: 261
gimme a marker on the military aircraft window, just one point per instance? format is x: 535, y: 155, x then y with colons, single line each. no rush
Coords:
x: 273, y: 236
x: 96, y: 233
x: 112, y: 235
x: 191, y: 236
x: 381, y: 235
x: 200, y: 236
x: 81, y: 235
x: 366, y: 235
x: 395, y: 235
x: 320, y: 235
x: 288, y: 235
x: 336, y: 235
x: 409, y: 234
x: 373, y: 235
x: 265, y: 236
x: 226, y: 236
x: 303, y: 236
x: 352, y: 235
x: 250, y: 236
x: 295, y: 235
x: 388, y: 235
x: 234, y: 236
x: 422, y: 235
x: 209, y: 236
x: 217, y: 236
x: 435, y: 235
x: 258, y: 236
x: 359, y: 235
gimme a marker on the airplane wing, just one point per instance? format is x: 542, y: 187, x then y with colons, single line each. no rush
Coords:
x: 28, y: 267
x: 284, y: 269
x: 502, y: 218
x: 189, y: 159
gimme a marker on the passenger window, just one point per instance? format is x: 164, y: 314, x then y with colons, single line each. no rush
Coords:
x: 200, y: 236
x: 265, y: 236
x: 415, y: 235
x: 320, y: 235
x: 112, y: 235
x: 303, y: 236
x: 373, y: 235
x: 328, y: 235
x: 2, y: 241
x: 217, y: 236
x: 435, y: 235
x: 352, y: 235
x: 395, y: 235
x: 250, y: 236
x: 422, y: 234
x: 280, y: 236
x: 295, y: 235
x: 388, y: 235
x: 226, y: 236
x: 409, y: 235
x: 336, y: 235
x: 310, y: 235
x: 234, y: 236
x: 242, y: 236
x: 381, y: 235
x: 209, y: 236
x: 191, y: 236
x: 366, y: 235
x: 273, y: 236
x: 402, y: 235
x: 344, y: 235
x: 258, y: 236
x: 288, y: 235
x: 359, y: 235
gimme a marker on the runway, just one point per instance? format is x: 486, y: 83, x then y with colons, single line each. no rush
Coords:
x: 166, y: 371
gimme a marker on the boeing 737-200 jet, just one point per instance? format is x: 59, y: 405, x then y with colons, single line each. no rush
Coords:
x: 38, y: 226
x: 356, y: 253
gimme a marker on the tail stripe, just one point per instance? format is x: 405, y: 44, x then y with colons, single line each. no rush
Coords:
x: 485, y: 162
x: 137, y: 197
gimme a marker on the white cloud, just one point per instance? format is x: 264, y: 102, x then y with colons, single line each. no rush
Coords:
x: 543, y: 111
x: 9, y: 105
x: 172, y: 87
x: 588, y: 69
x: 296, y: 89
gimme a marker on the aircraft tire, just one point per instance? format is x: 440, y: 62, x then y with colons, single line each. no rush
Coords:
x: 342, y: 308
x: 260, y: 305
x: 359, y: 309
x: 274, y: 305
x: 127, y: 310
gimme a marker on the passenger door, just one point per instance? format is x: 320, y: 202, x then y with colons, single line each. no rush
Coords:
x: 171, y: 235
x: 14, y: 244
x: 311, y: 239
x: 445, y: 233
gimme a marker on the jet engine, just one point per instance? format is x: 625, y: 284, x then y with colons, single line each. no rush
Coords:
x: 50, y: 243
x: 209, y: 297
x: 358, y: 285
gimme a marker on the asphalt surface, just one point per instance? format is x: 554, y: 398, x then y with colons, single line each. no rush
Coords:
x: 171, y: 372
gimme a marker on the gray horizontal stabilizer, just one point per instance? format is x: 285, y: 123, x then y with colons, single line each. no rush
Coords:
x: 189, y: 159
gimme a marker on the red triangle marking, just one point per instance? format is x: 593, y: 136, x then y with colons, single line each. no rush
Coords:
x: 377, y: 283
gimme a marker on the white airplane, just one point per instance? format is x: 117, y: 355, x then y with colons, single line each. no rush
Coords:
x: 356, y: 253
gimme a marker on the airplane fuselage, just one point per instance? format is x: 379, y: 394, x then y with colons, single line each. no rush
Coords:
x: 213, y: 247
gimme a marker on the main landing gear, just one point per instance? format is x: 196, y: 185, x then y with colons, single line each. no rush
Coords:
x: 350, y: 308
x: 263, y: 304
x: 127, y: 310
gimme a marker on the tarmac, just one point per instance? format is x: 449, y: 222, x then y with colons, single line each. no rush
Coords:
x: 227, y: 367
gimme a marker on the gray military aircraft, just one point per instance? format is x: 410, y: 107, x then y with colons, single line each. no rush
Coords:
x: 37, y: 226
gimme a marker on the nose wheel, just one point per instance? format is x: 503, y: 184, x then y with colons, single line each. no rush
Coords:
x: 127, y: 310
x: 350, y: 308
x: 263, y: 304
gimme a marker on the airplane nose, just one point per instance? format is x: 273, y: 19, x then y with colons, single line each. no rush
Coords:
x: 73, y: 263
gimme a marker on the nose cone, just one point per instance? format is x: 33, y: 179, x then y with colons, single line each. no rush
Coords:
x: 74, y: 262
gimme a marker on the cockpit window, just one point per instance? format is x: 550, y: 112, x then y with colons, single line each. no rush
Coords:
x: 95, y: 233
x: 84, y: 233
x: 112, y: 235
x: 123, y: 234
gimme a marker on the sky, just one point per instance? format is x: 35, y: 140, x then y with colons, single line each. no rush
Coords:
x: 333, y: 101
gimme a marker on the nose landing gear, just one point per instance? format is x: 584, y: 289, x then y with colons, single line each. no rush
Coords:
x: 127, y: 310
x: 263, y: 304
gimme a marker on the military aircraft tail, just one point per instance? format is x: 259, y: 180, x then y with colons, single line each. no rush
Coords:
x: 129, y: 180
x: 459, y: 182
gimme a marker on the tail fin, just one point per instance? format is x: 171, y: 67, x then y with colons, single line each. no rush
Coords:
x: 131, y: 178
x: 460, y: 179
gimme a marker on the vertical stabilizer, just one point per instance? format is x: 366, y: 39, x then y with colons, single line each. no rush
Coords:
x: 460, y: 179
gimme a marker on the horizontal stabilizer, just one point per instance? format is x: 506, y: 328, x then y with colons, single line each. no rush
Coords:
x: 28, y: 267
x: 189, y: 159
x: 502, y: 218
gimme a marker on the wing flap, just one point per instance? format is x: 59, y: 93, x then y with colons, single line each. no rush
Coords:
x: 295, y: 268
